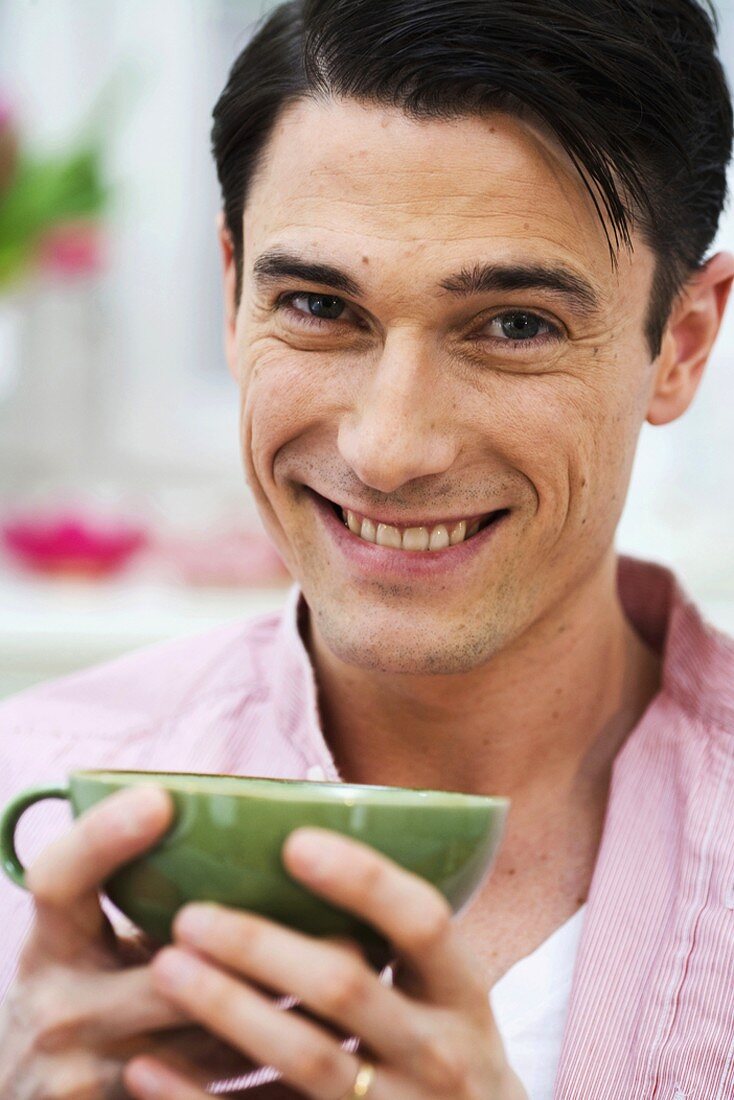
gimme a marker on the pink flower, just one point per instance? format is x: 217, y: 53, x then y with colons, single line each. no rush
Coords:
x: 72, y: 248
x: 71, y: 543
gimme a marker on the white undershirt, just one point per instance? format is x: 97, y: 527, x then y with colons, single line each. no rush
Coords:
x: 530, y: 1003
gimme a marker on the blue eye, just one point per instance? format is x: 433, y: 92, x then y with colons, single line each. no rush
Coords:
x: 319, y: 306
x: 521, y: 326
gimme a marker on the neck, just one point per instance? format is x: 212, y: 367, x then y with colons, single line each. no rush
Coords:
x: 546, y: 715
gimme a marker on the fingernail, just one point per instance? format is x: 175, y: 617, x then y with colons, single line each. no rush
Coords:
x: 194, y: 922
x: 137, y: 813
x: 144, y: 1078
x: 313, y: 853
x: 175, y: 969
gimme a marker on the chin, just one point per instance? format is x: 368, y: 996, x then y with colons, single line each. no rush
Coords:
x: 426, y: 649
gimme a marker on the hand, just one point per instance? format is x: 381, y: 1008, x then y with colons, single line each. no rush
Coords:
x: 434, y: 1039
x: 82, y: 1004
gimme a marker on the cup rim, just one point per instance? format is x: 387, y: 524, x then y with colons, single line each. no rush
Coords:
x: 325, y: 788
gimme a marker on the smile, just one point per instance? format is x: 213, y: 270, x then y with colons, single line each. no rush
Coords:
x: 436, y: 536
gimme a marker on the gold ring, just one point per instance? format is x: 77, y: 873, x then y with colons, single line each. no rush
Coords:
x: 363, y: 1083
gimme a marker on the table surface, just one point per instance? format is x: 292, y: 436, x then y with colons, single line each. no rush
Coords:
x: 49, y: 628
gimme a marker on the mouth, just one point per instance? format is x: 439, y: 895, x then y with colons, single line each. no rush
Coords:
x: 415, y: 538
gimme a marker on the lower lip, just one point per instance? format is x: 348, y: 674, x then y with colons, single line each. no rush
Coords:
x: 376, y: 560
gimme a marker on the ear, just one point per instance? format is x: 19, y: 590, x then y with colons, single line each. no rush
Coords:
x: 689, y: 337
x: 229, y: 275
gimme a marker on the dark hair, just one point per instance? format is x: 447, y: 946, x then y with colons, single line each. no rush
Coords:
x: 633, y: 89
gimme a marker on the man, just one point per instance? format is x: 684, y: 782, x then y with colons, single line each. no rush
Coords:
x: 464, y: 260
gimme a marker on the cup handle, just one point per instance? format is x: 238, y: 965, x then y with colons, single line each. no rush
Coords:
x: 11, y: 815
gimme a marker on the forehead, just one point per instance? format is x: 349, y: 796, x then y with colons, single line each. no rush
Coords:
x: 340, y: 173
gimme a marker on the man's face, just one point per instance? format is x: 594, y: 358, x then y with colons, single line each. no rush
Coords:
x: 415, y: 397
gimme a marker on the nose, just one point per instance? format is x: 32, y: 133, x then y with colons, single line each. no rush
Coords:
x: 398, y: 427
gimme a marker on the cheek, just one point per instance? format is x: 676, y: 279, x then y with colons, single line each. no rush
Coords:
x: 575, y: 444
x: 270, y: 402
x: 287, y: 397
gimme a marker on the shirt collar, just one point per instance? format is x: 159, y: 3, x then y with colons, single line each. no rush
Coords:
x: 294, y: 689
x: 697, y: 659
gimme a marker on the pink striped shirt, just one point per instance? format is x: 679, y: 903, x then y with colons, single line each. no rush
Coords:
x: 651, y: 1014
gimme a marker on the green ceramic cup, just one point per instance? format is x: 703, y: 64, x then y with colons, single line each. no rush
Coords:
x: 226, y: 838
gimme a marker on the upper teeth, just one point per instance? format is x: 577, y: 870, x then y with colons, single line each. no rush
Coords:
x: 410, y: 538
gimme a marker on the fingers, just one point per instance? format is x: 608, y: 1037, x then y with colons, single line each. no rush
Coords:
x: 197, y: 1054
x: 306, y: 1056
x: 85, y: 1008
x: 331, y: 980
x: 120, y: 1015
x: 67, y: 875
x: 408, y: 911
x: 79, y: 1074
x: 149, y: 1080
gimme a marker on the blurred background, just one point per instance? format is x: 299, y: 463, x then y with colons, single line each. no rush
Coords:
x: 124, y: 514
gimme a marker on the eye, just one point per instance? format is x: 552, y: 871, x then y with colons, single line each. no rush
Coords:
x: 521, y: 326
x: 312, y: 308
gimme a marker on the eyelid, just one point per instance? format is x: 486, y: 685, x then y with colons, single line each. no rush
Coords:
x: 557, y: 332
x: 287, y: 298
x: 502, y: 311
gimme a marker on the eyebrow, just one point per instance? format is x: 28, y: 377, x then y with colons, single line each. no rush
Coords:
x: 271, y: 267
x: 555, y: 278
x: 275, y: 265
